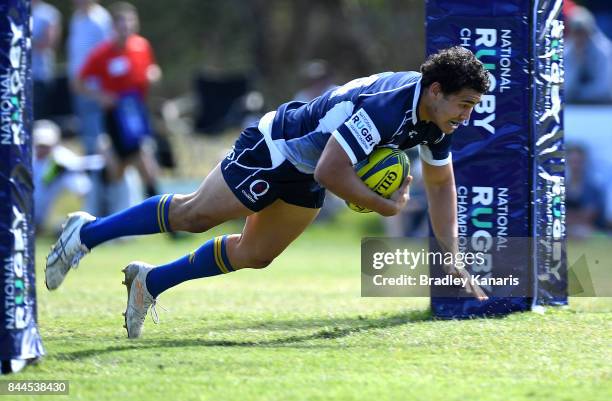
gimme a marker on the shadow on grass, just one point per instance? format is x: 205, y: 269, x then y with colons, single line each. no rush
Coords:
x: 339, y: 328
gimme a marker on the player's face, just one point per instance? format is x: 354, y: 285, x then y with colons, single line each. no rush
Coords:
x: 450, y: 110
x: 126, y: 24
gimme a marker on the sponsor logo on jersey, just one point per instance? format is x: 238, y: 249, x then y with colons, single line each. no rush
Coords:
x: 364, y: 130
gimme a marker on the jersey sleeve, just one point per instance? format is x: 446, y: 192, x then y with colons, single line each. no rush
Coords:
x: 437, y: 154
x: 358, y: 135
x: 375, y: 121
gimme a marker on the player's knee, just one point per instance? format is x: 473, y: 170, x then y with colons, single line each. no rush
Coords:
x: 250, y: 260
x: 198, y: 222
x: 184, y: 216
x: 245, y: 256
x: 259, y: 263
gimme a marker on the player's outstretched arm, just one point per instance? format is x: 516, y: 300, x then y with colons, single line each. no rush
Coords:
x: 335, y: 172
x: 442, y: 200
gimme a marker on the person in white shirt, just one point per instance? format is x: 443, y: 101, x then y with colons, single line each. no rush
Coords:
x: 57, y: 169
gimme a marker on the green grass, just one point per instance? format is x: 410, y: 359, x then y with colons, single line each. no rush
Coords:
x: 299, y: 330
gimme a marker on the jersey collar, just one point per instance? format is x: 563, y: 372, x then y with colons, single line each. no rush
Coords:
x: 415, y: 102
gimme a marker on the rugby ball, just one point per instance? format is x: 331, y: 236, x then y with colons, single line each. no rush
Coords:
x: 383, y: 172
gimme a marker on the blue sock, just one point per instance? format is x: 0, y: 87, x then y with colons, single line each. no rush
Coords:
x: 208, y: 260
x: 149, y: 217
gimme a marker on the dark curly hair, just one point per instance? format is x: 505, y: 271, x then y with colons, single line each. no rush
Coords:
x: 455, y: 68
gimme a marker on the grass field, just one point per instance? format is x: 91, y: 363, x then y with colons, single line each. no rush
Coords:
x: 299, y: 330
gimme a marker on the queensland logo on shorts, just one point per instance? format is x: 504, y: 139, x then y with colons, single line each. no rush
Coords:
x: 364, y: 130
x: 231, y: 155
x: 257, y: 189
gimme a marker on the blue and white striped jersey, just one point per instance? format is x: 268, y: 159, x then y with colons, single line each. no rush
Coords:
x: 379, y: 110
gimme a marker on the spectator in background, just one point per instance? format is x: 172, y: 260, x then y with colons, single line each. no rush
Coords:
x: 588, y: 60
x: 602, y: 9
x: 57, y: 169
x: 46, y: 31
x: 584, y: 199
x: 125, y: 67
x: 90, y: 25
x: 316, y: 78
x: 568, y: 8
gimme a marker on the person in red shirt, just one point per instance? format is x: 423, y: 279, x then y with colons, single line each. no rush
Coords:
x: 124, y: 68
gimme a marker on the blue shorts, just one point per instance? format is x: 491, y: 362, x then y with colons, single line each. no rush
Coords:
x: 249, y: 173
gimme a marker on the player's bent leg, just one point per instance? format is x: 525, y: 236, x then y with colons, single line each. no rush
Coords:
x: 212, y: 204
x: 262, y: 239
x: 267, y: 234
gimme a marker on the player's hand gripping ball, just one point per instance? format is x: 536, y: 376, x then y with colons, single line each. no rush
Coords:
x: 383, y: 171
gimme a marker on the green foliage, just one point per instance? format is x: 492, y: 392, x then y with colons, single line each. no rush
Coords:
x: 270, y: 39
